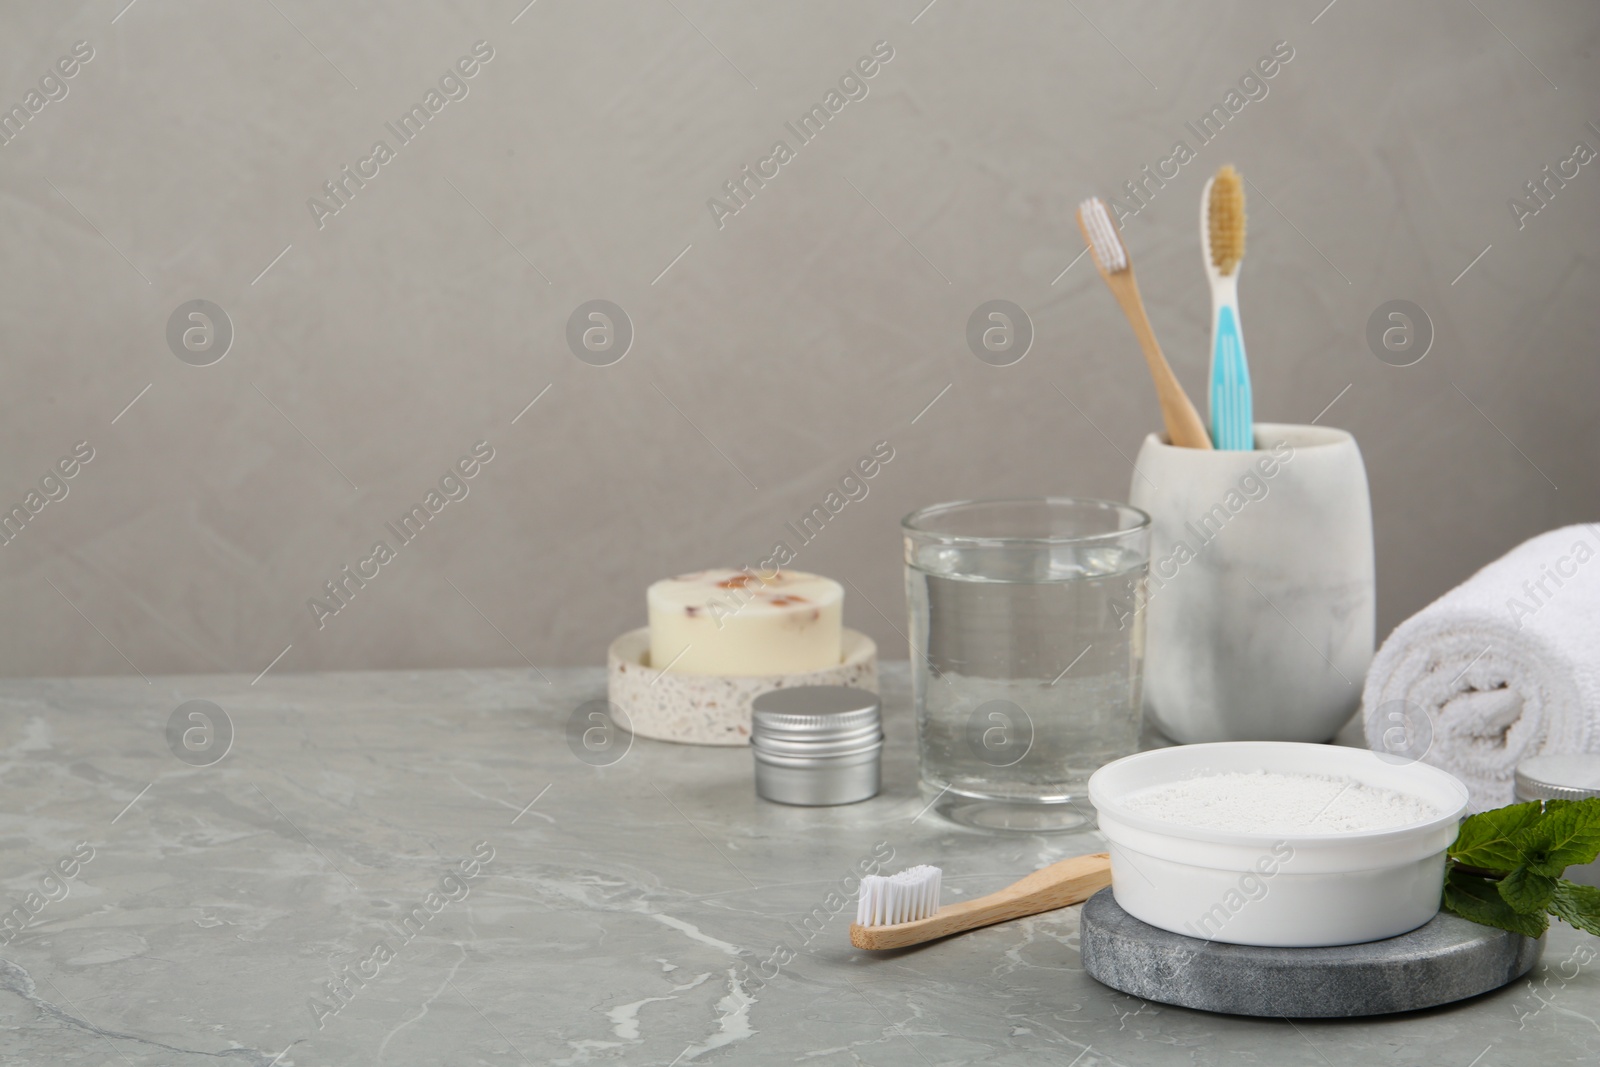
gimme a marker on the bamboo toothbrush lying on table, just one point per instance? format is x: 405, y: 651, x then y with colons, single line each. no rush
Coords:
x: 903, y: 909
x: 1184, y: 427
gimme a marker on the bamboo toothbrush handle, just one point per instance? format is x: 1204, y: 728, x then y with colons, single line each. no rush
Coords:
x: 1184, y: 427
x: 1070, y: 881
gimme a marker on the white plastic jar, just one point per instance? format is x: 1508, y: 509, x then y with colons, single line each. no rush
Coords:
x: 1568, y: 776
x: 1277, y: 889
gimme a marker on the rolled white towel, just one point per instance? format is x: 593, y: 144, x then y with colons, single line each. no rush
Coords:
x: 1504, y: 666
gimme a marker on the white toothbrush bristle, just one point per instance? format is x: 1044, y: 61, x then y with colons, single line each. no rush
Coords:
x: 910, y: 895
x: 1104, y: 242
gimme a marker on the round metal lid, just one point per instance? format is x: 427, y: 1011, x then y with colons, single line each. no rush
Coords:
x: 1567, y: 777
x: 816, y: 713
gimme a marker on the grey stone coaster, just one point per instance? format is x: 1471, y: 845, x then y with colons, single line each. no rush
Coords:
x: 1446, y: 960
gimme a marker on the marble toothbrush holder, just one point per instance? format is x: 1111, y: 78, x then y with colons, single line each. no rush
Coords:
x: 1259, y: 603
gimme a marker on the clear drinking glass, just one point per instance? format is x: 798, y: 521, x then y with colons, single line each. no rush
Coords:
x: 1027, y: 647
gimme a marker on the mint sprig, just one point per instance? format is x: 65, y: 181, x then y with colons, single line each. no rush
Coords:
x: 1505, y: 867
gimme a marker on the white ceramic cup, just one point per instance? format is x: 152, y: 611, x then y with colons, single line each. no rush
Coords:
x: 1260, y: 614
x: 1289, y: 889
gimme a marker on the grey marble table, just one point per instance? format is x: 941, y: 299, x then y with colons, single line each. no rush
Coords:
x: 415, y: 868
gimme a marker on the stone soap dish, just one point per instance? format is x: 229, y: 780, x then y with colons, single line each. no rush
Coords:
x: 712, y: 709
x: 1445, y: 960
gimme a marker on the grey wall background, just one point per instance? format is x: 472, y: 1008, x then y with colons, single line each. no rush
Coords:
x: 773, y: 352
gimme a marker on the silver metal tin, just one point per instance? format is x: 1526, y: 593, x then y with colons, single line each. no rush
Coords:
x: 817, y: 745
x: 1562, y: 777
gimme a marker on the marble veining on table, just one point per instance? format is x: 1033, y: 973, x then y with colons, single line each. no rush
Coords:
x: 416, y: 868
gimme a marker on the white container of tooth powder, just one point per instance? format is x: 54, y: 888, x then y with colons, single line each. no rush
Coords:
x: 1277, y: 843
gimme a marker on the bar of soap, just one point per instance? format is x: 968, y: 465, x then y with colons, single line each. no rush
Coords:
x: 729, y: 622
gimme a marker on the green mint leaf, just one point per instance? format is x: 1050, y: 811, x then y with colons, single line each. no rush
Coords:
x: 1487, y: 840
x: 1527, y: 891
x: 1476, y: 898
x: 1577, y: 905
x: 1568, y: 834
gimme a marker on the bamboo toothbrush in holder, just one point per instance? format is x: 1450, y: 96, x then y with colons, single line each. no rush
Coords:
x: 1110, y: 255
x: 1222, y: 242
x: 903, y: 909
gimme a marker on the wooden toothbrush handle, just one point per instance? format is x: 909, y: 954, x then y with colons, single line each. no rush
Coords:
x: 1069, y: 881
x: 1184, y: 426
